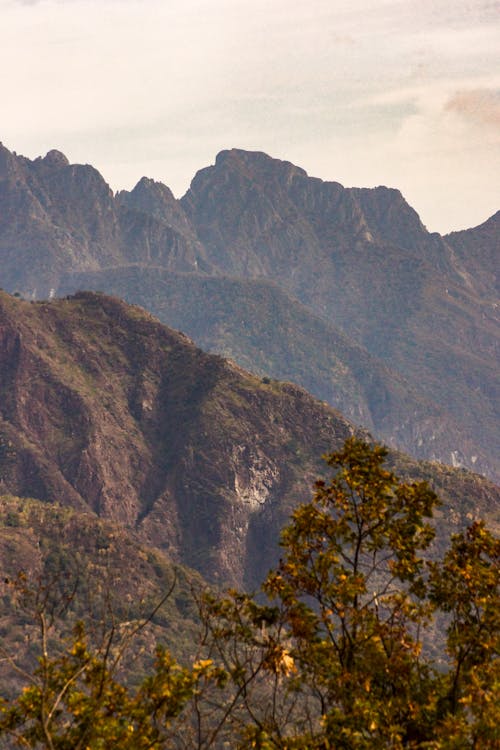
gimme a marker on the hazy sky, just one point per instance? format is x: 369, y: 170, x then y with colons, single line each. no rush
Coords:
x: 365, y: 92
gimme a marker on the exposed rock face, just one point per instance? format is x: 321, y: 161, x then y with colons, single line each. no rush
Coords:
x: 362, y: 260
x: 268, y: 332
x: 155, y: 199
x: 479, y: 251
x: 56, y: 218
x: 418, y: 311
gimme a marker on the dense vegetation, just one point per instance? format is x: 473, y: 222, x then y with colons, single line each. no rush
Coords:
x: 356, y: 640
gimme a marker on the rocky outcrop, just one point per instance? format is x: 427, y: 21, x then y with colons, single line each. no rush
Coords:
x: 57, y: 218
x: 268, y: 332
x: 109, y: 411
x: 362, y: 260
x: 478, y: 250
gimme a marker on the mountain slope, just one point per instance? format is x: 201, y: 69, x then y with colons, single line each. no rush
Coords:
x: 479, y: 253
x: 362, y: 260
x: 57, y: 217
x: 111, y: 413
x: 86, y: 569
x: 265, y: 330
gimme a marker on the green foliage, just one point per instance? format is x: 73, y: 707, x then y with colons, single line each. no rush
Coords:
x: 466, y: 586
x: 351, y: 584
x: 332, y: 654
x: 7, y: 453
x: 341, y: 656
x: 74, y: 701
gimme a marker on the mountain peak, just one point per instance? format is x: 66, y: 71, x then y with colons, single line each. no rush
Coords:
x: 55, y: 159
x: 257, y: 162
x: 147, y: 186
x: 157, y: 200
x: 8, y: 161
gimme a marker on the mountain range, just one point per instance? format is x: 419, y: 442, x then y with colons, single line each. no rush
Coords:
x: 342, y: 291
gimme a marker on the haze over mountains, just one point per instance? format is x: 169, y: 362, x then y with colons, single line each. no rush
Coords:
x: 340, y: 290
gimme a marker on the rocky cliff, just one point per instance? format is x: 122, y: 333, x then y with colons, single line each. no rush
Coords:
x: 263, y: 328
x: 362, y: 260
x: 479, y: 251
x: 110, y: 412
x: 56, y: 217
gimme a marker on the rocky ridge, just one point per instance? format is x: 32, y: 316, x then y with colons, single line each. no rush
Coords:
x: 258, y: 324
x: 417, y: 306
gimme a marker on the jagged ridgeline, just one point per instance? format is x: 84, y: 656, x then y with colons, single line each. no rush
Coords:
x: 342, y: 291
x: 106, y: 411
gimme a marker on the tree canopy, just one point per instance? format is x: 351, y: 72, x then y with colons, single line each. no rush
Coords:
x: 360, y: 638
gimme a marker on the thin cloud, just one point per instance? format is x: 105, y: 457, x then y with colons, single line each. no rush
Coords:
x: 482, y: 106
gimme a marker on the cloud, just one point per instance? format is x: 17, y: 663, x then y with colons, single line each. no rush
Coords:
x: 480, y: 105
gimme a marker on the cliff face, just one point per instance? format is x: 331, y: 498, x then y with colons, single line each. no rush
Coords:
x: 56, y: 217
x: 266, y: 330
x: 479, y: 250
x: 360, y: 258
x: 111, y: 413
x: 362, y: 305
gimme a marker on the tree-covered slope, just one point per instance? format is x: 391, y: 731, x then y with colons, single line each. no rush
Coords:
x: 74, y: 566
x: 111, y: 412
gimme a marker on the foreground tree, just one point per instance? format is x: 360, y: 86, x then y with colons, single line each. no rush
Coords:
x: 466, y: 587
x: 335, y: 652
x: 351, y: 584
x: 88, y: 695
x: 344, y: 655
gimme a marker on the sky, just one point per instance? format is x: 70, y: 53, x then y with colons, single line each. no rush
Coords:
x: 363, y: 92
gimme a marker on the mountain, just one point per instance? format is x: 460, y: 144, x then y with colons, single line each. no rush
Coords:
x: 58, y: 217
x: 109, y: 413
x: 479, y: 250
x: 356, y: 300
x: 362, y: 260
x: 264, y: 329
